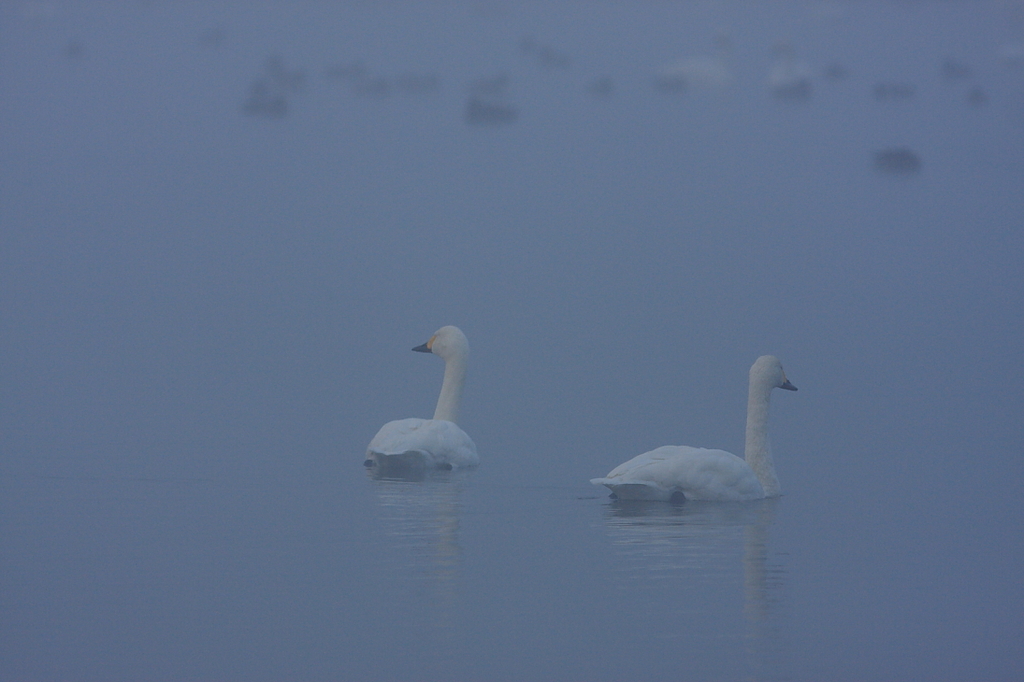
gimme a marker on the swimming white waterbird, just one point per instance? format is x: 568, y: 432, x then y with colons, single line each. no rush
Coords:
x: 788, y: 77
x: 710, y: 72
x: 672, y: 471
x: 436, y: 443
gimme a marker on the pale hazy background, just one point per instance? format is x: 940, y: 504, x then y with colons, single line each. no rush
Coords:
x: 197, y: 294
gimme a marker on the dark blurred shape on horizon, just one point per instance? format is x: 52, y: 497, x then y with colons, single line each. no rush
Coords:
x: 268, y: 93
x: 479, y: 111
x: 885, y: 92
x: 897, y: 160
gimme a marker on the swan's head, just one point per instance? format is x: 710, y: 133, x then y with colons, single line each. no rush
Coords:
x: 767, y: 370
x: 447, y: 342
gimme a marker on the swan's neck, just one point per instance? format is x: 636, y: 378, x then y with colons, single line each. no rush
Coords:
x: 451, y: 389
x: 758, y: 452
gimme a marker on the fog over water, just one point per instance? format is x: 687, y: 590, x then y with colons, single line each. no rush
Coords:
x: 224, y: 225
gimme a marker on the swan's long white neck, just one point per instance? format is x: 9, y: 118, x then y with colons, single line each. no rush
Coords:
x: 451, y: 388
x: 758, y: 451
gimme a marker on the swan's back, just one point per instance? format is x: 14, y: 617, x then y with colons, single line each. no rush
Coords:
x: 435, y: 443
x: 697, y: 473
x: 709, y: 72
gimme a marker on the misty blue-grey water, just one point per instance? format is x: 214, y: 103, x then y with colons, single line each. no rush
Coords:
x: 224, y: 225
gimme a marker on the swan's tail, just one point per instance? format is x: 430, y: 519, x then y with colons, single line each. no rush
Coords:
x: 634, y: 491
x: 399, y: 463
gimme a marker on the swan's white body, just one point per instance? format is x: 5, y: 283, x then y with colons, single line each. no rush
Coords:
x: 427, y: 443
x: 708, y: 72
x: 701, y: 474
x: 696, y: 473
x: 436, y: 443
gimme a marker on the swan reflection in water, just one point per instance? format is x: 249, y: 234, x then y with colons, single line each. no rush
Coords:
x: 419, y: 511
x: 706, y: 547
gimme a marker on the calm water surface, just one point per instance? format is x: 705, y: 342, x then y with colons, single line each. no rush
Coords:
x: 467, y: 576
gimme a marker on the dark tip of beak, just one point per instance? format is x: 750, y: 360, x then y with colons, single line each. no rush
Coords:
x: 422, y: 348
x: 788, y: 386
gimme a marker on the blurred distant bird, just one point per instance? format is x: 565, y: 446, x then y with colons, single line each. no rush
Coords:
x: 481, y: 111
x: 487, y: 105
x: 893, y: 91
x: 898, y: 160
x: 836, y: 72
x: 709, y: 72
x: 977, y: 97
x: 601, y: 87
x: 789, y: 78
x: 953, y: 70
x: 73, y: 50
x: 547, y: 56
x: 212, y: 37
x: 268, y: 93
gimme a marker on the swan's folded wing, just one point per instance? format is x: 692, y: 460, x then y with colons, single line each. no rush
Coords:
x: 718, y: 475
x: 649, y: 476
x: 441, y: 442
x: 450, y: 445
x: 395, y: 437
x: 697, y: 473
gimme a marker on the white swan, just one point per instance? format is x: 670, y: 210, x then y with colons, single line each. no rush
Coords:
x: 701, y: 474
x: 789, y: 78
x: 708, y: 72
x: 436, y: 443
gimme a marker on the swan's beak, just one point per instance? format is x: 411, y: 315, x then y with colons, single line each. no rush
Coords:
x: 428, y: 347
x: 788, y: 386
